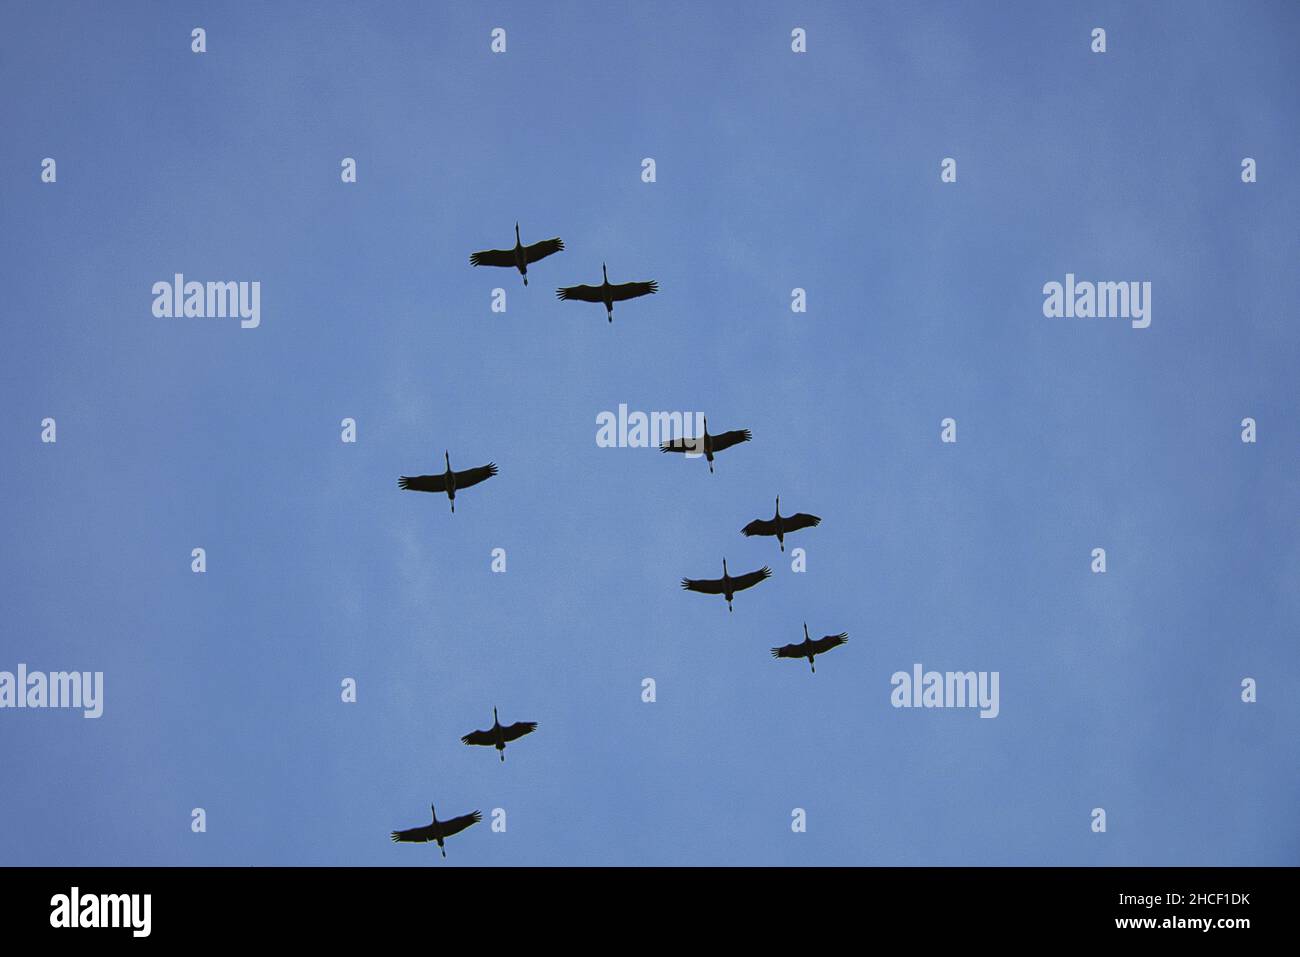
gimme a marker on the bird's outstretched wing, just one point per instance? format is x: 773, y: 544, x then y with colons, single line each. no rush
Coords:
x: 424, y: 483
x: 683, y: 445
x: 750, y: 580
x: 473, y: 476
x: 829, y: 642
x: 478, y: 737
x: 414, y: 835
x: 759, y: 526
x: 543, y: 249
x: 705, y: 586
x: 494, y: 257
x: 517, y: 730
x: 789, y: 651
x: 583, y: 293
x: 630, y: 290
x: 727, y: 439
x: 801, y: 520
x: 458, y: 824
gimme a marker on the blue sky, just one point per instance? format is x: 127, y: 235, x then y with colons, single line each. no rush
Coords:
x: 774, y: 171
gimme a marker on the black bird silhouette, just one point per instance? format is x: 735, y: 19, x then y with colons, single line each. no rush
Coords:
x: 726, y: 586
x: 448, y: 481
x: 780, y: 524
x: 810, y: 649
x: 437, y: 830
x: 498, y: 735
x: 607, y: 292
x: 520, y: 256
x: 708, y: 444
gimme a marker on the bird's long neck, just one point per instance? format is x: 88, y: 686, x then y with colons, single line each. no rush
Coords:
x: 517, y: 241
x: 805, y: 632
x: 778, y: 506
x: 724, y: 568
x: 604, y: 273
x: 446, y: 456
x: 495, y: 719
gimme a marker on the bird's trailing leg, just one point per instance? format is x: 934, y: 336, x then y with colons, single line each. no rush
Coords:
x: 503, y: 755
x: 812, y: 666
x: 443, y: 849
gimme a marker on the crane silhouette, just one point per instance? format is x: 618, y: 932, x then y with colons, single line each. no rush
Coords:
x: 708, y: 444
x: 810, y: 649
x: 436, y: 831
x: 448, y: 481
x: 780, y: 524
x: 520, y: 256
x: 499, y: 734
x: 726, y: 586
x: 607, y: 292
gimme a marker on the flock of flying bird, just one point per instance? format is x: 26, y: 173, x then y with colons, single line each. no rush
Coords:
x: 450, y: 481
